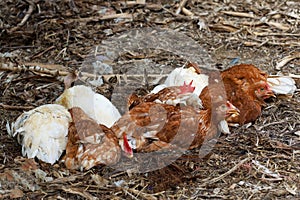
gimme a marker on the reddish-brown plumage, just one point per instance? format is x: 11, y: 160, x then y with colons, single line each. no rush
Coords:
x: 246, y: 88
x: 248, y: 103
x: 89, y: 144
x: 246, y: 73
x: 153, y: 125
x: 170, y: 95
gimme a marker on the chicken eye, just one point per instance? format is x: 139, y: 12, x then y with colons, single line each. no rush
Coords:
x: 223, y: 108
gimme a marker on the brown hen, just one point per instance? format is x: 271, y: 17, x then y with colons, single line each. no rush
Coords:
x: 150, y: 126
x: 90, y: 144
x: 246, y: 87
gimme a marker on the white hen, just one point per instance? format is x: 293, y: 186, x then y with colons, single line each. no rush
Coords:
x: 95, y: 105
x: 42, y: 132
x: 180, y: 75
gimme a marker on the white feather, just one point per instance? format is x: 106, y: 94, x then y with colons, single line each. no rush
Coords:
x: 223, y: 127
x: 42, y: 132
x: 158, y: 88
x: 93, y: 104
x: 180, y: 75
x: 282, y: 85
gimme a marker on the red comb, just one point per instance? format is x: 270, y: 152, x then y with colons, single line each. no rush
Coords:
x: 187, y: 88
x: 127, y: 147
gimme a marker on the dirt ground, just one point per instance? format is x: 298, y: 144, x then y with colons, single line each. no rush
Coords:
x: 260, y: 161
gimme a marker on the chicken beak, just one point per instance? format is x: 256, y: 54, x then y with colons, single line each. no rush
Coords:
x: 232, y: 110
x: 270, y: 93
x: 129, y: 154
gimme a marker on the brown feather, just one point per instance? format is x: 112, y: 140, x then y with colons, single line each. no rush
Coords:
x: 170, y: 95
x: 241, y: 82
x: 168, y: 125
x: 89, y: 144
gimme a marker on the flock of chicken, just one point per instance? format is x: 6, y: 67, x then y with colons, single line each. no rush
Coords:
x: 190, y: 107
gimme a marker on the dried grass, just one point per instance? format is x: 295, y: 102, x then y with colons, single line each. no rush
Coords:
x: 261, y: 161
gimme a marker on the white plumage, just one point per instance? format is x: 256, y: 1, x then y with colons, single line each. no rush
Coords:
x: 223, y: 127
x: 282, y: 85
x: 93, y: 104
x: 180, y: 75
x: 42, y: 132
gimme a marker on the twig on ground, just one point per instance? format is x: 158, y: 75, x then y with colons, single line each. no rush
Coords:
x: 26, y: 17
x: 9, y: 107
x: 187, y: 12
x: 259, y: 128
x: 181, y: 5
x: 59, y: 70
x: 132, y: 3
x: 267, y: 171
x: 77, y: 191
x: 286, y: 60
x: 99, y: 18
x: 239, y: 14
x: 35, y: 69
x: 207, y: 182
x: 43, y: 52
x: 139, y: 194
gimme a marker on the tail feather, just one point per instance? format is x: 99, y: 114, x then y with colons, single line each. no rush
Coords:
x: 282, y: 85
